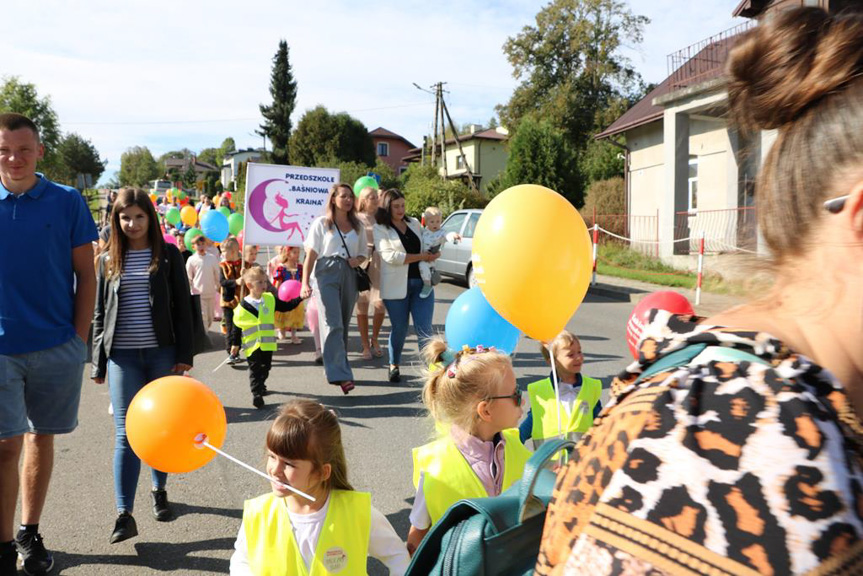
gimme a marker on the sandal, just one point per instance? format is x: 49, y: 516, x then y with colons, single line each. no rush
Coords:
x: 376, y: 350
x: 367, y: 354
x: 347, y: 386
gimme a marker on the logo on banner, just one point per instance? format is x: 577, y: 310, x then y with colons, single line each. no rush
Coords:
x: 270, y: 208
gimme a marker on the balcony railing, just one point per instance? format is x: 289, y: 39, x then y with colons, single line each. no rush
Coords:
x: 704, y: 60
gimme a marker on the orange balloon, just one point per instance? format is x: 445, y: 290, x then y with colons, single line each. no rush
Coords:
x: 167, y: 415
x: 544, y: 234
x: 189, y: 215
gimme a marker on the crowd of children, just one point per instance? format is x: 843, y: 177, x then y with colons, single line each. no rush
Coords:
x: 474, y: 399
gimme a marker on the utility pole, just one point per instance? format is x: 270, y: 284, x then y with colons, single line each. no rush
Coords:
x: 442, y: 113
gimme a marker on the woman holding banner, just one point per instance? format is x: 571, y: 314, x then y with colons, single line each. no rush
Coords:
x: 398, y: 240
x: 335, y: 246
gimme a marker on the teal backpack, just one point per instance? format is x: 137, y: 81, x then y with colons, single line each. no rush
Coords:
x: 499, y: 535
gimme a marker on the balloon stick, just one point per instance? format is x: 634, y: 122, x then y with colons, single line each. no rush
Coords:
x: 201, y: 440
x: 556, y: 383
x: 225, y: 361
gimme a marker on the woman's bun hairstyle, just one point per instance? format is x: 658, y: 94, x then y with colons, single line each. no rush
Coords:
x: 784, y: 66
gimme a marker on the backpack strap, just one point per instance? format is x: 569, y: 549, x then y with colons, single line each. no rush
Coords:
x: 707, y: 353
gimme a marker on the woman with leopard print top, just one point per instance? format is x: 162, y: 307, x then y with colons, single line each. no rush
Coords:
x: 743, y: 455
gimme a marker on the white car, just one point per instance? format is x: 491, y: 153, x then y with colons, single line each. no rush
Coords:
x: 455, y: 258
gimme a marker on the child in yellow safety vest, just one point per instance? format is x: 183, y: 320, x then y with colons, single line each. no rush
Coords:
x: 256, y: 318
x: 580, y: 395
x: 475, y: 395
x: 284, y: 533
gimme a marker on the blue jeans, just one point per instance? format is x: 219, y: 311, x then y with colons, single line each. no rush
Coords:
x: 128, y: 372
x: 421, y: 309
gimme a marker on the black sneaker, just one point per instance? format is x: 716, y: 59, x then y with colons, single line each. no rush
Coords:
x: 36, y: 559
x: 258, y: 401
x: 8, y: 559
x: 124, y: 528
x: 395, y: 375
x: 161, y: 509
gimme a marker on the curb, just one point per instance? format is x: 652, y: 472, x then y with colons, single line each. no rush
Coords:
x: 617, y: 293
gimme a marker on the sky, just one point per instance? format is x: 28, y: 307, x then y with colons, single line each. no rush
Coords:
x: 169, y: 74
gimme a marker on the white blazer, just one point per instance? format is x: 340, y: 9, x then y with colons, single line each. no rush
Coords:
x: 394, y: 271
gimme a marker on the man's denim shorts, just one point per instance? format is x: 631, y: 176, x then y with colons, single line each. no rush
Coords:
x: 40, y: 391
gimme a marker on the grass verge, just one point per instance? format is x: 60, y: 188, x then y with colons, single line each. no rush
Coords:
x: 622, y: 262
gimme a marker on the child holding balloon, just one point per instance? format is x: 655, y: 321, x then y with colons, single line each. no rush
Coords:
x: 255, y: 317
x: 285, y: 533
x: 281, y: 268
x: 476, y: 395
x: 580, y: 395
x: 230, y: 279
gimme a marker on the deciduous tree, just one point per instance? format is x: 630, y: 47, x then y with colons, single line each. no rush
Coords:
x: 137, y: 167
x: 78, y: 156
x: 23, y: 98
x: 321, y: 136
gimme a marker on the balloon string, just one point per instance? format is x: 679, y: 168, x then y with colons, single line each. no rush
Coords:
x: 255, y: 470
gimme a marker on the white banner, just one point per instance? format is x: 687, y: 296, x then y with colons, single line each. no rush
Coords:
x: 282, y: 202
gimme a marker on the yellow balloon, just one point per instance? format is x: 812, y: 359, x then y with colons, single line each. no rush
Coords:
x: 188, y: 215
x: 532, y: 259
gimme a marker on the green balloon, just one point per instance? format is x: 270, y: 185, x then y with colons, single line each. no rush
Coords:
x: 365, y: 182
x: 181, y: 195
x: 225, y: 211
x: 189, y: 238
x: 173, y: 215
x: 235, y: 223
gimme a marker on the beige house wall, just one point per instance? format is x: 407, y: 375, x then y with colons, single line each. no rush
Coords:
x: 484, y: 157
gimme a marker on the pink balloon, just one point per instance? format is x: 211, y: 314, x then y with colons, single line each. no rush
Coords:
x: 663, y: 300
x: 289, y: 290
x: 170, y: 239
x: 241, y: 236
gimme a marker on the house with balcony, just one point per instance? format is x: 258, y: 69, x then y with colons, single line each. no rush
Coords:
x: 483, y: 155
x: 686, y: 169
x: 391, y: 148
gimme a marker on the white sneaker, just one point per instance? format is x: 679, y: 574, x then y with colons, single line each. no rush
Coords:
x: 424, y: 293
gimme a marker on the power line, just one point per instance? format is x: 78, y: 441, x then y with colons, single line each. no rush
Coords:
x: 220, y: 120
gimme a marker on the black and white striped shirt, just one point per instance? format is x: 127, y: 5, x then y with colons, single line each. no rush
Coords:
x: 134, y: 328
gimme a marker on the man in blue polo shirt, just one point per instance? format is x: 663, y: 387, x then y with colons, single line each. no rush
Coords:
x: 47, y: 291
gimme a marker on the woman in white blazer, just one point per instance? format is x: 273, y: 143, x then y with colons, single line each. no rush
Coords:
x: 398, y: 240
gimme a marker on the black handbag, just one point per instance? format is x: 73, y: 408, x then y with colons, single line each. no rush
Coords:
x: 364, y: 283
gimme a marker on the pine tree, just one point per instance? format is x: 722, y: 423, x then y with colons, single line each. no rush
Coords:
x: 277, y: 117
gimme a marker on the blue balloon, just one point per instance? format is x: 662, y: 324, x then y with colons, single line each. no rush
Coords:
x: 214, y: 225
x: 472, y: 321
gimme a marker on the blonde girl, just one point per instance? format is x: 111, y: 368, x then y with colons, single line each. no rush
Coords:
x: 283, y: 533
x: 281, y: 268
x: 476, y: 396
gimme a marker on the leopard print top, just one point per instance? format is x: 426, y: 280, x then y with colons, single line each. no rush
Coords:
x: 716, y: 467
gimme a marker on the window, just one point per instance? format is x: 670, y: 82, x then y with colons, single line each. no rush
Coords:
x: 471, y: 225
x: 454, y: 222
x: 693, y: 183
x: 459, y: 162
x: 383, y: 149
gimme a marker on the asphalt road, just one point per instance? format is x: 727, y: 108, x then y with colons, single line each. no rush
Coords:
x: 381, y: 423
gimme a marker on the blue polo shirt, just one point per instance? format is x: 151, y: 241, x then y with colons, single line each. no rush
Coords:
x: 38, y: 231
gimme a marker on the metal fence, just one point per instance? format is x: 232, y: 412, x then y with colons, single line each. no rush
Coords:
x: 639, y: 233
x: 704, y: 60
x: 730, y: 230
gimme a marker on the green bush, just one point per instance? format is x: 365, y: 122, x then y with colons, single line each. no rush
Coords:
x: 423, y: 187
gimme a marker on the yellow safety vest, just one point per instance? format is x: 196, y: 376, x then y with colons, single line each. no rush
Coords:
x: 342, y: 548
x: 543, y: 406
x: 260, y: 331
x: 448, y: 477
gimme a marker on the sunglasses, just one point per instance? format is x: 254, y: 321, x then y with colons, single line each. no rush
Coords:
x: 516, y: 397
x: 835, y: 205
